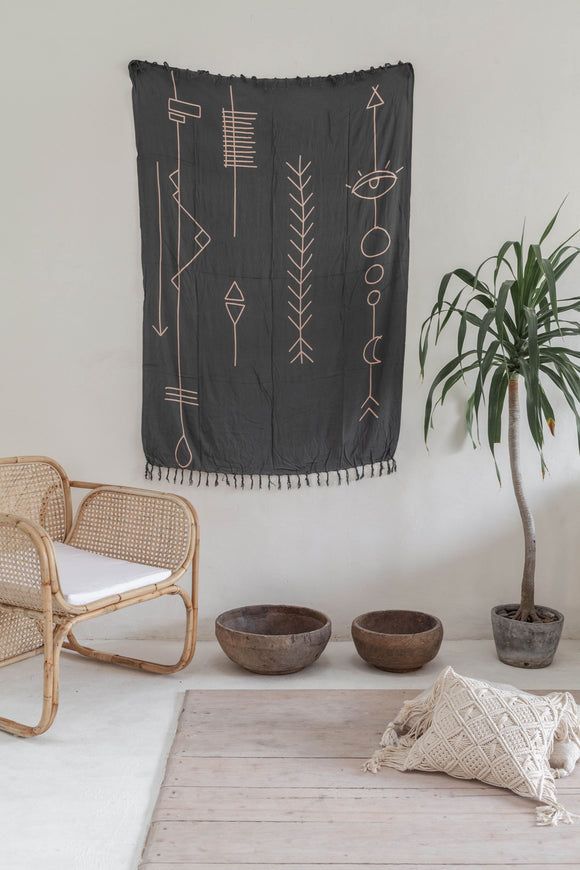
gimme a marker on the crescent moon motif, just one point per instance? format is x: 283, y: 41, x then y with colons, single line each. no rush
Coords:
x: 370, y: 351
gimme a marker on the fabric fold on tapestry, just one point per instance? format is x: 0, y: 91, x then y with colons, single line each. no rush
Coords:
x: 275, y: 249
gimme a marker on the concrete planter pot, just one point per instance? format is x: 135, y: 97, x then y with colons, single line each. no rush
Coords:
x: 525, y: 644
x: 273, y: 638
x: 397, y: 640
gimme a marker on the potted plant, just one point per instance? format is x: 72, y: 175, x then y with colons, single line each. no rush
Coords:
x: 511, y: 332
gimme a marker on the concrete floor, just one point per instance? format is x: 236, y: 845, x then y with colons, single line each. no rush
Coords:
x: 80, y: 796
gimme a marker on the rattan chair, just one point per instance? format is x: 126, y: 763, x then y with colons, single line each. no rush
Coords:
x: 138, y: 526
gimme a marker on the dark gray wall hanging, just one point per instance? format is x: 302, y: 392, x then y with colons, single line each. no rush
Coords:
x: 275, y: 223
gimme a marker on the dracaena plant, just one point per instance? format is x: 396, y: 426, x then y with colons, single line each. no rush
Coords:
x: 511, y: 330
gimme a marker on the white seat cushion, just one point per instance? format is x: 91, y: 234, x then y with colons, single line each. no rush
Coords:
x: 86, y: 577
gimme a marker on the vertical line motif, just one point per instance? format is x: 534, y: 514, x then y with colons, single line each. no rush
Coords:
x: 375, y: 243
x: 300, y: 256
x: 159, y: 328
x: 239, y: 147
x: 178, y: 111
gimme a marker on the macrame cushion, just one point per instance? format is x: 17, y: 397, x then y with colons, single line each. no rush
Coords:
x: 472, y: 729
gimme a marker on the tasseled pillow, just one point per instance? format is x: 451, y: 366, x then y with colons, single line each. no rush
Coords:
x: 472, y: 729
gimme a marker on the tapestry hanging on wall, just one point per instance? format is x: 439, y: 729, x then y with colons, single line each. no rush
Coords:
x: 275, y: 227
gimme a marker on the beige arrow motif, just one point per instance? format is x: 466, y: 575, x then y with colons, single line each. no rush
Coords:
x: 159, y: 329
x: 301, y: 224
x: 374, y: 103
x: 372, y: 186
x: 235, y: 303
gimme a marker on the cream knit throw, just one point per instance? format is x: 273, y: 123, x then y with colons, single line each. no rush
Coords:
x: 472, y: 729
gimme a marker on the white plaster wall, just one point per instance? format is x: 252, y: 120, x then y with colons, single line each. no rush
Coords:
x: 496, y: 138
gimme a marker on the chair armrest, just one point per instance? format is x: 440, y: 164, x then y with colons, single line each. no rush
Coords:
x: 138, y: 525
x: 28, y: 573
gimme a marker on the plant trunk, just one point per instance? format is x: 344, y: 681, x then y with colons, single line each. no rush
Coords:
x: 527, y: 610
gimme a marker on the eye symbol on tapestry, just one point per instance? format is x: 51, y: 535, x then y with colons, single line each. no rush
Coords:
x: 239, y: 147
x: 300, y: 256
x: 376, y: 241
x: 179, y: 112
x: 235, y: 303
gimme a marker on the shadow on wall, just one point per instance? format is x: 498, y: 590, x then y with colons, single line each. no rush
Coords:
x: 485, y: 575
x: 490, y: 573
x: 454, y: 553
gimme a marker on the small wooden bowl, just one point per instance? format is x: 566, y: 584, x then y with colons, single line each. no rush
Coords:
x: 273, y: 638
x: 397, y: 640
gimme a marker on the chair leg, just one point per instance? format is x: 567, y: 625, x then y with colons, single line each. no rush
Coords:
x: 141, y: 664
x: 51, y: 685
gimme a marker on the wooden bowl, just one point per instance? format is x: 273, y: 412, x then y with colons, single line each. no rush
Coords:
x: 397, y: 640
x: 273, y: 638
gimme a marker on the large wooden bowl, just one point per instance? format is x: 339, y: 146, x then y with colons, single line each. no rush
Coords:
x: 397, y: 640
x: 273, y: 638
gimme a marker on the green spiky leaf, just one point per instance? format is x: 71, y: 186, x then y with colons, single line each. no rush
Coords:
x: 518, y: 328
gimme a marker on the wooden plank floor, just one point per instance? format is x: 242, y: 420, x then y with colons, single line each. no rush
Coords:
x: 260, y: 779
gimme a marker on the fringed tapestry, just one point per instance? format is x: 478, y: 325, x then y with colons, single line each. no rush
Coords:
x: 275, y: 248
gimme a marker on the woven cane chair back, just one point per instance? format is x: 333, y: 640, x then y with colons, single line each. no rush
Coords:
x: 153, y: 529
x: 35, y: 489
